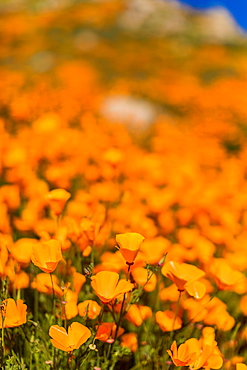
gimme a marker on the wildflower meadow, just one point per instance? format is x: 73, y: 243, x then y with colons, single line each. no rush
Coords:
x: 123, y: 187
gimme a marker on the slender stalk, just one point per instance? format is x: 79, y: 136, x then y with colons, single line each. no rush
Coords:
x: 101, y: 314
x: 85, y: 358
x: 30, y: 361
x: 176, y: 314
x: 120, y: 317
x: 108, y: 351
x: 157, y: 292
x: 70, y: 358
x: 65, y: 317
x: 58, y: 221
x: 92, y: 256
x: 129, y: 266
x: 2, y: 339
x: 14, y: 292
x: 113, y: 314
x: 54, y: 358
x: 3, y: 346
x: 100, y: 321
x: 118, y: 325
x: 36, y: 304
x: 53, y: 295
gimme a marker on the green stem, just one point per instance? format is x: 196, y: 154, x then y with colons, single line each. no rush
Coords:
x: 54, y: 358
x: 101, y: 314
x: 92, y: 257
x: 121, y: 315
x: 82, y: 363
x: 129, y: 266
x: 100, y: 322
x: 69, y: 360
x: 108, y: 351
x: 63, y: 311
x: 53, y: 295
x: 31, y: 360
x: 176, y: 314
x: 36, y: 304
x: 157, y: 293
x: 65, y: 320
x: 58, y: 221
x: 113, y: 314
x: 14, y: 291
x: 3, y: 345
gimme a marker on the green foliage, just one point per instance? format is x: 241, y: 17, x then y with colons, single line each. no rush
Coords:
x: 12, y: 363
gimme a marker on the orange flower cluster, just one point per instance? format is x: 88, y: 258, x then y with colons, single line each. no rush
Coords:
x: 198, y: 354
x: 138, y: 222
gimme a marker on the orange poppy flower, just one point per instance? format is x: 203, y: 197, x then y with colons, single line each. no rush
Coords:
x: 137, y: 314
x: 107, y: 286
x: 240, y: 366
x: 42, y: 282
x: 76, y: 336
x: 107, y: 331
x: 111, y: 262
x: 154, y: 249
x: 89, y: 228
x: 166, y: 322
x: 210, y: 356
x: 225, y: 277
x: 78, y: 280
x: 232, y: 363
x: 89, y: 308
x: 4, y: 255
x: 186, y: 277
x: 186, y: 354
x: 113, y: 156
x: 22, y: 249
x: 13, y: 313
x: 142, y: 276
x: 46, y: 255
x: 170, y: 293
x: 196, y: 308
x: 10, y: 194
x: 130, y: 340
x: 20, y: 281
x: 69, y: 304
x: 217, y: 315
x: 197, y: 353
x: 70, y: 310
x: 243, y: 305
x: 129, y: 245
x: 57, y: 199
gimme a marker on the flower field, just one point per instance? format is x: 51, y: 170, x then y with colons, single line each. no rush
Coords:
x: 123, y: 188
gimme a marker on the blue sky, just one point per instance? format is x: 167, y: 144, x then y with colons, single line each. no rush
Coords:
x: 238, y: 8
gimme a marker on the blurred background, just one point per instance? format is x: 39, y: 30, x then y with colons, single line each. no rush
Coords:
x: 237, y: 10
x: 130, y: 61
